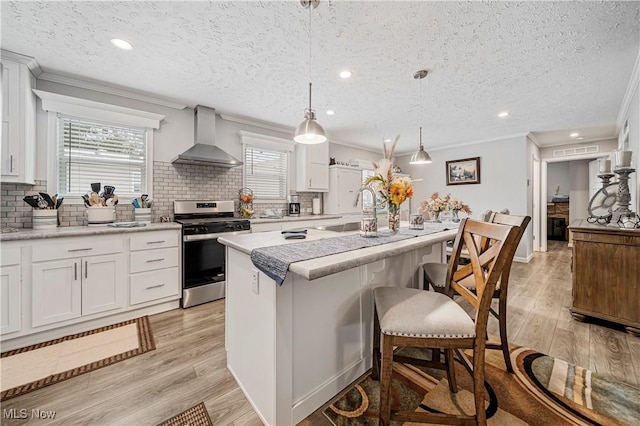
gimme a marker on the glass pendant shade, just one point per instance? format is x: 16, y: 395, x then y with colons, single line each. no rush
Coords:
x: 310, y: 131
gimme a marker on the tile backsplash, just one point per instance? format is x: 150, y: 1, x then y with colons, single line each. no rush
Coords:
x: 170, y: 182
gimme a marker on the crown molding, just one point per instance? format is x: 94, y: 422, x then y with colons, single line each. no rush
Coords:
x: 30, y: 62
x: 478, y: 142
x: 256, y: 123
x: 535, y: 140
x: 110, y: 90
x: 356, y: 146
x: 632, y: 87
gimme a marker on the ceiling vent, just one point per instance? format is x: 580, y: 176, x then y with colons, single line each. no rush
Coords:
x: 576, y: 151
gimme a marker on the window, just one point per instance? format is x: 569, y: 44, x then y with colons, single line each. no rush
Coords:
x: 266, y: 166
x: 265, y: 172
x: 89, y: 151
x: 90, y: 142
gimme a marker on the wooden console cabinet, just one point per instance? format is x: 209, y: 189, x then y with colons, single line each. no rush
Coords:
x: 606, y: 274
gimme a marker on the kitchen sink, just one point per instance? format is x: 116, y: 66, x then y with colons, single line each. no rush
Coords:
x: 343, y: 227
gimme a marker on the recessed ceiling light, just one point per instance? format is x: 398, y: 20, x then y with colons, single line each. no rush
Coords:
x: 503, y: 114
x: 330, y: 112
x: 386, y: 140
x: 345, y: 74
x: 574, y: 135
x: 580, y: 138
x: 122, y: 44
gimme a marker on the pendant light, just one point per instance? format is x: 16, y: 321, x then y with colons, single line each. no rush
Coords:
x: 310, y: 131
x: 420, y: 156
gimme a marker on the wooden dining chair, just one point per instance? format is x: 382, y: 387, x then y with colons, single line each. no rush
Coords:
x: 435, y: 275
x: 425, y: 319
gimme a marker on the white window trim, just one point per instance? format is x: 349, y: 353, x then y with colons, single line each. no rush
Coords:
x: 54, y: 103
x: 257, y: 140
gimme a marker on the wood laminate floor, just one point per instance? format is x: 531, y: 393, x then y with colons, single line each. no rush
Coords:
x: 189, y: 364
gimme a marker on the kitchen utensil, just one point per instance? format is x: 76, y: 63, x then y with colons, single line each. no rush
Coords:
x: 95, y: 187
x: 135, y: 203
x: 42, y: 203
x: 94, y: 199
x: 114, y: 197
x: 59, y: 202
x: 108, y: 191
x: 85, y: 197
x: 32, y: 200
x: 48, y: 199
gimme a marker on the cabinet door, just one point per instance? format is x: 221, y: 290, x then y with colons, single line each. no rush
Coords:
x: 349, y: 183
x: 10, y: 318
x: 10, y: 118
x: 103, y: 282
x: 56, y: 291
x: 317, y: 176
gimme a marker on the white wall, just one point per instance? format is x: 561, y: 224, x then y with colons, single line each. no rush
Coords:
x: 503, y: 179
x: 558, y: 175
x: 578, y: 189
x: 633, y: 116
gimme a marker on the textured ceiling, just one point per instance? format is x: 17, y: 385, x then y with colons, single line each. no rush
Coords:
x: 554, y: 66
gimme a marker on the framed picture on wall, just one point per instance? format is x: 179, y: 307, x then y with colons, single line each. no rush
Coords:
x: 463, y: 172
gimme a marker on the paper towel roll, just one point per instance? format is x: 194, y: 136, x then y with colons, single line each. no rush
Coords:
x: 316, y: 206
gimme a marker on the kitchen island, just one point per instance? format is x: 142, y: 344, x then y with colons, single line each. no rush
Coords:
x: 293, y: 347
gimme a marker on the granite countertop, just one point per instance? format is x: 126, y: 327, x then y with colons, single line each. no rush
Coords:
x: 327, y: 265
x: 78, y: 231
x: 295, y: 218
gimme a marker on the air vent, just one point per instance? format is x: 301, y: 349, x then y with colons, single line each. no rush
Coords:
x: 576, y: 151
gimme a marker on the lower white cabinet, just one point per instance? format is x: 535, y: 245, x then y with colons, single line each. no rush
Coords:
x: 10, y: 317
x: 69, y: 288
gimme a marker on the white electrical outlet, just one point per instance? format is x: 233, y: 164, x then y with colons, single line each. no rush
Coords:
x: 255, y: 281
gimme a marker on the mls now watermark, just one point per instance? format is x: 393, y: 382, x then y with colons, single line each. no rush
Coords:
x: 23, y: 414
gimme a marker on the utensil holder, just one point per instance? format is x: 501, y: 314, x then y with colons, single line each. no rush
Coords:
x: 143, y: 215
x: 45, y: 219
x: 369, y: 227
x: 101, y: 215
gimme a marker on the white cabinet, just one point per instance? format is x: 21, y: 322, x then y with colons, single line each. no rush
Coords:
x: 18, y: 156
x: 344, y: 184
x: 73, y: 277
x: 312, y: 167
x: 154, y: 267
x: 10, y: 283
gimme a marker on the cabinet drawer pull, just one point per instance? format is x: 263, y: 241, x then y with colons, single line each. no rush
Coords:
x: 11, y: 159
x: 155, y: 242
x: 82, y: 249
x: 155, y: 286
x: 86, y: 269
x: 155, y: 260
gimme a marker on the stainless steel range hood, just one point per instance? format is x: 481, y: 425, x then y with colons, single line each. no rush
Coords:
x: 204, y: 151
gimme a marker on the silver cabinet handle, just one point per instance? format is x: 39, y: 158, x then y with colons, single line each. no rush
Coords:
x: 11, y: 162
x: 155, y: 260
x: 155, y: 286
x: 309, y: 182
x: 82, y: 249
x: 86, y: 269
x: 75, y: 271
x: 155, y: 242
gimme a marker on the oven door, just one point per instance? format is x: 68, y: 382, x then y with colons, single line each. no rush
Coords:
x: 203, y: 259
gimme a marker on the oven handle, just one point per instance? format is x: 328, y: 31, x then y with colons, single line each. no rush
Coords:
x: 201, y: 237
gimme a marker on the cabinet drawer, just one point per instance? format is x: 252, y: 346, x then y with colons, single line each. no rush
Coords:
x: 10, y: 256
x: 151, y: 260
x: 148, y: 286
x: 154, y: 240
x: 85, y: 246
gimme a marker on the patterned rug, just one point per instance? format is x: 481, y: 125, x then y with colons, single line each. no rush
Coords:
x: 194, y: 416
x: 34, y: 367
x: 543, y: 390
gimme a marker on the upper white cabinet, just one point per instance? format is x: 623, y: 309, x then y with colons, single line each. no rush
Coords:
x: 344, y: 184
x: 312, y: 167
x: 18, y: 156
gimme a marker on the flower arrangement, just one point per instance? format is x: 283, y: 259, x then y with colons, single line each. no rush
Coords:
x: 435, y: 205
x: 394, y: 190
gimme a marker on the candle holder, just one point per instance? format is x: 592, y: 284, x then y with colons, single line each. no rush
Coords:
x: 606, y: 178
x: 623, y: 197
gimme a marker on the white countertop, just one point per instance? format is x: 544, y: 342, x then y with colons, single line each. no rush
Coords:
x: 76, y: 231
x: 295, y: 218
x: 327, y: 265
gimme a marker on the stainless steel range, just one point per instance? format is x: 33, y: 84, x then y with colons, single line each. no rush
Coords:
x: 203, y: 257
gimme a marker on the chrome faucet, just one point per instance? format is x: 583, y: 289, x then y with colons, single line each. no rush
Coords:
x: 373, y: 197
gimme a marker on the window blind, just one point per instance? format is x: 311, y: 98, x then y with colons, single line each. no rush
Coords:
x: 90, y: 152
x: 265, y: 173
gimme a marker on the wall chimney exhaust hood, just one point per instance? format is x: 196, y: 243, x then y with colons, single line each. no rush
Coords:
x: 204, y: 151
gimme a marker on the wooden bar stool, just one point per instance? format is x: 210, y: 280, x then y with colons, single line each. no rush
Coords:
x: 416, y: 318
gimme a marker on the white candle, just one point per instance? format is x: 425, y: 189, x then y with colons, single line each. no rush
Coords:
x: 623, y: 158
x: 605, y: 166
